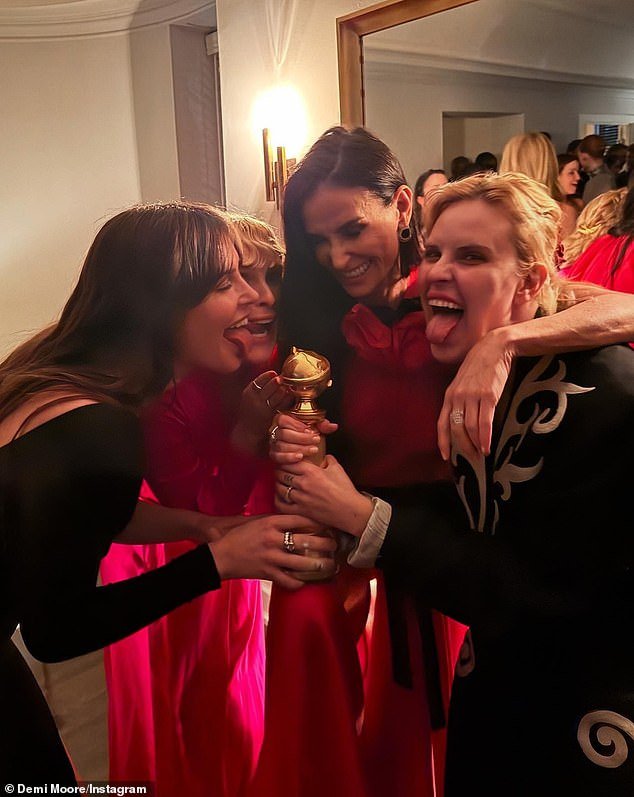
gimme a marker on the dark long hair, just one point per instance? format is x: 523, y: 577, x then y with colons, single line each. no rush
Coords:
x: 313, y: 303
x: 625, y: 226
x: 115, y: 339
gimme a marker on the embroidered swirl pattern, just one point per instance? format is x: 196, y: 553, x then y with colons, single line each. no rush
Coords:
x: 610, y: 731
x: 513, y: 433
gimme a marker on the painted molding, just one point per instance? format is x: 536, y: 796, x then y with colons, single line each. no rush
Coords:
x: 383, y: 62
x: 71, y: 20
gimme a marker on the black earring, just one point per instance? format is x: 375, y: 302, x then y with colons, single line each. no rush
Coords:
x: 405, y: 234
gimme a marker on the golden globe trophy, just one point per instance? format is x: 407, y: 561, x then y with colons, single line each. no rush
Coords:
x: 306, y: 375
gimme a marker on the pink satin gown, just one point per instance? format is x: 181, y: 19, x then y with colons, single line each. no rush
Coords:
x: 186, y: 694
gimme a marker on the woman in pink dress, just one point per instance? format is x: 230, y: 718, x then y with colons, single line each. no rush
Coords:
x: 186, y: 694
x: 358, y: 676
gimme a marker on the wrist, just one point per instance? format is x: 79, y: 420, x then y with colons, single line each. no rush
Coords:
x: 507, y: 339
x: 204, y: 528
x: 221, y: 560
x: 361, y: 511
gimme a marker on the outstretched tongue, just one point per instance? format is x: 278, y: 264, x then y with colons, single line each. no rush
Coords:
x: 440, y: 325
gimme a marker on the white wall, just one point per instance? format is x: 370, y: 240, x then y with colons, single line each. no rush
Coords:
x: 68, y: 148
x: 88, y: 128
x: 248, y: 49
x: 426, y: 92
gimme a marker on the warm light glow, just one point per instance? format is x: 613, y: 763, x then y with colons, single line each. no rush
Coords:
x: 282, y: 110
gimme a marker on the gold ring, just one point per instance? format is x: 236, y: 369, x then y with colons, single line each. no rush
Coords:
x: 273, y: 434
x: 255, y: 384
x: 457, y: 416
x: 289, y: 542
x: 287, y: 497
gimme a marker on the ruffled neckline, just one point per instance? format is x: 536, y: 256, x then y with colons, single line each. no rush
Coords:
x: 389, y: 337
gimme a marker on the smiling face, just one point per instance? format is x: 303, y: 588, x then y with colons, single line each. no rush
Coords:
x: 214, y: 335
x: 469, y: 278
x: 266, y: 280
x: 569, y: 178
x: 355, y: 237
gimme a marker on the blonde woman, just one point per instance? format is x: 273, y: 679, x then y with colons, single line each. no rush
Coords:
x: 598, y: 216
x: 533, y: 154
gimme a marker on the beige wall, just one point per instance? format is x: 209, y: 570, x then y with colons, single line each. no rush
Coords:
x: 248, y: 48
x: 68, y: 148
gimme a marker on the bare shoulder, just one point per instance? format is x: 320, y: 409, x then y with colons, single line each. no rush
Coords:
x: 38, y: 410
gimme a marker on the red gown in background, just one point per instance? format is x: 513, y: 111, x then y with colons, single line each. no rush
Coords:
x: 595, y: 264
x: 337, y: 723
x: 186, y: 694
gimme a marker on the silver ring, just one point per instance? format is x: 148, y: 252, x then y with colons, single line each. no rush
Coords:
x: 287, y: 497
x: 288, y: 478
x: 273, y: 434
x: 457, y: 416
x: 289, y: 542
x: 255, y: 385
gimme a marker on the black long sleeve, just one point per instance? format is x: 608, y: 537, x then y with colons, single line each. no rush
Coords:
x: 71, y: 487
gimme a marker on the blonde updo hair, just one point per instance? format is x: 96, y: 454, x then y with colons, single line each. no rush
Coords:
x: 259, y: 240
x: 533, y: 154
x: 534, y: 215
x: 598, y: 216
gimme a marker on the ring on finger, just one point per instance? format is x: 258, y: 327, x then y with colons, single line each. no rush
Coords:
x: 287, y: 497
x: 273, y: 434
x: 288, y: 478
x: 289, y: 542
x: 457, y: 416
x: 268, y: 404
x: 255, y: 385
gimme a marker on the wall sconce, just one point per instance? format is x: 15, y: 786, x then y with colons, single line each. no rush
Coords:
x: 276, y: 172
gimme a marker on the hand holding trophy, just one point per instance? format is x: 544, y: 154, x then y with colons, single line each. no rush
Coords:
x: 306, y: 376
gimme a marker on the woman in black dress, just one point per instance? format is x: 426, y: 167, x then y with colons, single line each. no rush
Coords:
x: 159, y: 280
x: 536, y: 558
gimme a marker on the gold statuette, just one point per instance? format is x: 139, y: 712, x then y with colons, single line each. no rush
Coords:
x: 306, y: 375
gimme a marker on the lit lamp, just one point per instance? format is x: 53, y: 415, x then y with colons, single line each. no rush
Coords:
x: 276, y: 172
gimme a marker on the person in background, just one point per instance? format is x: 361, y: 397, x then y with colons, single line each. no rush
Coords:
x: 186, y: 694
x: 568, y: 180
x: 486, y: 162
x: 459, y: 165
x: 349, y: 292
x: 160, y: 284
x: 533, y: 154
x: 597, y: 217
x: 615, y: 158
x: 590, y: 151
x: 426, y: 181
x: 625, y: 178
x: 609, y: 259
x: 542, y: 701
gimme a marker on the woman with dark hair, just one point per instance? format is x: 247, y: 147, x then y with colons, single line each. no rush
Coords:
x: 160, y: 283
x: 609, y: 261
x: 350, y: 293
x: 568, y: 179
x: 426, y: 181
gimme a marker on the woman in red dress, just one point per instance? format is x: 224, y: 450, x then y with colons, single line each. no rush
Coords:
x: 186, y: 694
x: 358, y: 676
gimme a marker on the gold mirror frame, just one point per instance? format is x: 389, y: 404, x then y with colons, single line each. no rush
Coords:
x: 351, y: 29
